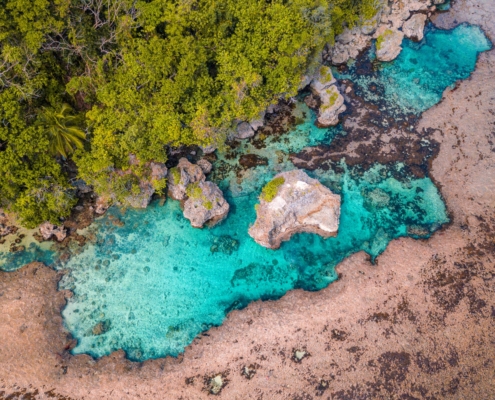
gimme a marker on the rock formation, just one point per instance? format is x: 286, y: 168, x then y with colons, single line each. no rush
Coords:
x: 202, y: 201
x: 245, y: 130
x: 154, y: 172
x: 331, y: 101
x: 183, y: 175
x: 48, y: 230
x: 350, y: 43
x: 413, y: 28
x: 388, y: 43
x: 393, y: 18
x: 291, y: 203
x: 205, y: 165
x: 157, y: 172
x: 205, y: 203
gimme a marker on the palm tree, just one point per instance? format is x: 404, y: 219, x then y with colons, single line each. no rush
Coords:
x: 64, y: 130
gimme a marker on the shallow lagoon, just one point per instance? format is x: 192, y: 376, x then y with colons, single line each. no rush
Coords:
x: 150, y: 286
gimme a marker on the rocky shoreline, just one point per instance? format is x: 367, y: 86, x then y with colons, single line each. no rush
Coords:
x: 419, y: 324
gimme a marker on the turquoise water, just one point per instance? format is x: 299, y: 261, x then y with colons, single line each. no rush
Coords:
x: 10, y: 261
x: 157, y: 282
x: 149, y: 287
x: 416, y: 80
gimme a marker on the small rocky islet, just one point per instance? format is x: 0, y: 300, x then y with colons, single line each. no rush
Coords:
x: 200, y: 275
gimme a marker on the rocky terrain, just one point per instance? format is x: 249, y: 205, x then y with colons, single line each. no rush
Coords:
x: 417, y: 325
x: 202, y: 201
x: 296, y: 203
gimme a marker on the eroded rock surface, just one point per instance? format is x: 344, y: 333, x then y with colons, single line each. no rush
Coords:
x: 301, y: 204
x: 48, y: 230
x: 205, y: 203
x: 202, y: 201
x: 181, y: 176
x: 331, y: 101
x: 388, y: 43
x: 414, y: 27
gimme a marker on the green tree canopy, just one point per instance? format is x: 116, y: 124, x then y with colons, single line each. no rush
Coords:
x: 145, y: 75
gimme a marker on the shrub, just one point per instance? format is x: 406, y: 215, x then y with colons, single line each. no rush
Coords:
x: 269, y: 192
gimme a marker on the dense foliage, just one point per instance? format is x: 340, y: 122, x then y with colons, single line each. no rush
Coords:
x: 110, y: 78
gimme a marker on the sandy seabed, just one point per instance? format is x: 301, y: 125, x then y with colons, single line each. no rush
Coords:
x: 418, y: 325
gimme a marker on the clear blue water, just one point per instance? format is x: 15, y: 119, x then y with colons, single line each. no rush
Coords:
x: 10, y: 261
x: 416, y: 80
x: 157, y: 282
x: 149, y: 287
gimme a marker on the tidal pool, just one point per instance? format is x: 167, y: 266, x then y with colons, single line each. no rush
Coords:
x: 150, y: 285
x: 416, y: 80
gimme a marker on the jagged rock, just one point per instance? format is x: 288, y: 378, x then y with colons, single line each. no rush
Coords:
x: 252, y: 160
x: 205, y: 203
x: 322, y: 80
x: 292, y: 203
x: 202, y: 201
x: 332, y: 105
x: 331, y: 101
x: 208, y: 149
x: 205, y: 165
x: 259, y: 122
x: 143, y: 198
x: 102, y: 205
x: 414, y: 27
x: 244, y: 131
x: 388, y: 43
x: 82, y: 187
x: 47, y: 230
x: 348, y: 45
x: 401, y: 11
x: 158, y: 171
x: 181, y: 176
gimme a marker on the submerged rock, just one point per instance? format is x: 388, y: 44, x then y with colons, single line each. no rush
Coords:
x: 252, y: 160
x: 205, y: 203
x: 414, y: 27
x: 47, y: 230
x: 292, y: 203
x: 331, y: 101
x: 388, y: 43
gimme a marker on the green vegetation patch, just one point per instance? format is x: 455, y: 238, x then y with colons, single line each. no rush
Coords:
x: 382, y: 37
x: 325, y: 74
x: 175, y: 174
x: 334, y: 95
x: 194, y: 191
x: 269, y: 192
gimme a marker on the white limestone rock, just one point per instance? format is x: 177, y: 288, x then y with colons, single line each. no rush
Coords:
x: 414, y: 27
x: 48, y: 230
x: 388, y: 43
x: 301, y: 204
x: 205, y: 203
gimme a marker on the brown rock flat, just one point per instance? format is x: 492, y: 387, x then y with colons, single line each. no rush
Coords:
x: 418, y: 325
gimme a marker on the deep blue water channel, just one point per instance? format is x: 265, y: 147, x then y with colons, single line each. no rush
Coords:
x: 149, y: 287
